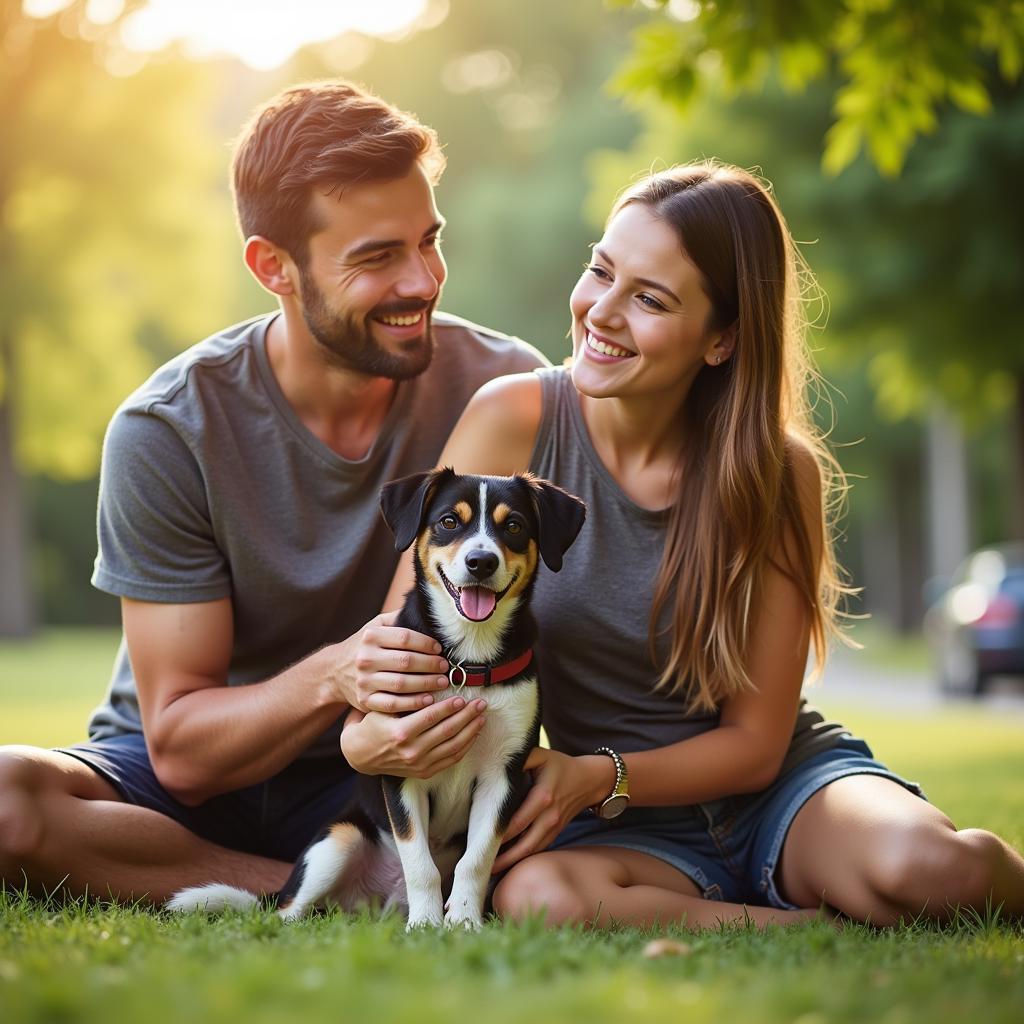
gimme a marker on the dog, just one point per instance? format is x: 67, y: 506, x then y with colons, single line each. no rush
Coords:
x: 478, y: 544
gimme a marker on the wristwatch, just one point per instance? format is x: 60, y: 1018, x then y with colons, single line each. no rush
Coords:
x: 616, y: 802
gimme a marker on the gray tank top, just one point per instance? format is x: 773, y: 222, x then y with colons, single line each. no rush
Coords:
x: 596, y: 670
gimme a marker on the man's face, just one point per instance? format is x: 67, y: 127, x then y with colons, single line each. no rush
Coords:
x: 374, y: 275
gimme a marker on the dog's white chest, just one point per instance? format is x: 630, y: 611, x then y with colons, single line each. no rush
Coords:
x: 511, y: 713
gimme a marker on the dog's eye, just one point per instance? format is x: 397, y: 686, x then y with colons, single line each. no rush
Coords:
x: 513, y: 527
x: 448, y: 522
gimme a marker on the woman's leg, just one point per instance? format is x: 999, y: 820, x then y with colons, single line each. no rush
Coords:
x: 873, y: 850
x: 604, y: 885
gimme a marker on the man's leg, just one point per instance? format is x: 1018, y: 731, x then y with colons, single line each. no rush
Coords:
x: 62, y: 825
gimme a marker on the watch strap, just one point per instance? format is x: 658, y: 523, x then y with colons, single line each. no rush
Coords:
x: 621, y: 787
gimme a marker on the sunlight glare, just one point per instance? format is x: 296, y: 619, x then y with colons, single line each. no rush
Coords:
x: 261, y: 33
x: 269, y: 32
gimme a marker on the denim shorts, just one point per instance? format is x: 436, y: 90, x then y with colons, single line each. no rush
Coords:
x: 730, y: 848
x: 277, y: 818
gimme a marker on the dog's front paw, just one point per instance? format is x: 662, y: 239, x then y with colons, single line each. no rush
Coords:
x: 463, y: 913
x: 427, y: 914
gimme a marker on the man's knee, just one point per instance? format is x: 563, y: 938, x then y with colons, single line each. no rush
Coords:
x: 23, y: 777
x: 32, y: 782
x: 542, y: 885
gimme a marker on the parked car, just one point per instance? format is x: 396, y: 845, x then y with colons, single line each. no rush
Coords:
x: 976, y: 627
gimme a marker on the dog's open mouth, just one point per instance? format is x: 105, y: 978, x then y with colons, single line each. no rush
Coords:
x: 474, y: 602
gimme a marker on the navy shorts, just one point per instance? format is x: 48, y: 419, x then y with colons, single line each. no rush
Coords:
x: 276, y: 818
x: 730, y: 848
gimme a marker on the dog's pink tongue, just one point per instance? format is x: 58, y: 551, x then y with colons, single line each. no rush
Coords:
x: 476, y: 602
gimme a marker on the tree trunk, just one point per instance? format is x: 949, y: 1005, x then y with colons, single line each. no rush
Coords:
x: 893, y: 549
x: 947, y: 517
x: 1016, y: 523
x: 17, y: 611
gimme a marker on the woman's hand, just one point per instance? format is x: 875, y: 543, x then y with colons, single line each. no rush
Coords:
x: 562, y: 787
x: 417, y: 745
x: 386, y: 668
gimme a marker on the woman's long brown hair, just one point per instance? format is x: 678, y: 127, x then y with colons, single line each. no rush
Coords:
x: 747, y: 421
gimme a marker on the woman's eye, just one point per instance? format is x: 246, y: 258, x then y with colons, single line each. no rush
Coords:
x: 599, y: 272
x: 649, y: 302
x: 448, y: 522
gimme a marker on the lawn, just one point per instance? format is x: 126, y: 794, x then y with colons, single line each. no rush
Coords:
x: 69, y: 963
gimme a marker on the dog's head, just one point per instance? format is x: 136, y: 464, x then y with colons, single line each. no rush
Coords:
x: 479, y: 538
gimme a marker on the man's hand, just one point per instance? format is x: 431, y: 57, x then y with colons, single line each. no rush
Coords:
x: 387, y: 668
x: 416, y: 745
x: 562, y: 787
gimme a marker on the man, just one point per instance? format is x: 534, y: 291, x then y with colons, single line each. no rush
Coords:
x: 239, y: 525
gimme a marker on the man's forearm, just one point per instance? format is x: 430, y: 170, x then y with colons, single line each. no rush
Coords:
x: 217, y: 739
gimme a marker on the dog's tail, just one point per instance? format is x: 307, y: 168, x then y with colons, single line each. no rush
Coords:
x: 213, y: 898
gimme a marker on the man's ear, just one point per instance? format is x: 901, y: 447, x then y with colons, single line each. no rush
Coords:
x: 269, y: 264
x: 404, y: 501
x: 560, y: 516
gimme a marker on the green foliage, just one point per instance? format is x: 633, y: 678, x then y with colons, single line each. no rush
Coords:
x: 899, y: 63
x: 116, y: 234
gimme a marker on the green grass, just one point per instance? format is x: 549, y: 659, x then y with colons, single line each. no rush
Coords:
x: 49, y: 684
x: 71, y: 963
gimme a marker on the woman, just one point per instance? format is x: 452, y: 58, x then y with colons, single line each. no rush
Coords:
x: 683, y: 423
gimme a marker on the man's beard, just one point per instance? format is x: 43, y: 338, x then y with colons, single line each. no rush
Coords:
x: 348, y: 343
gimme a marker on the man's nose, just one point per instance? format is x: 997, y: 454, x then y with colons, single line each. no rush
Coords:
x: 481, y: 563
x: 418, y: 280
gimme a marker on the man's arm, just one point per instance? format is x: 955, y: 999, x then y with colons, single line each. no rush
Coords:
x: 205, y: 737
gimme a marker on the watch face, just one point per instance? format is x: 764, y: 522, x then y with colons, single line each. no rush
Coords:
x: 614, y: 806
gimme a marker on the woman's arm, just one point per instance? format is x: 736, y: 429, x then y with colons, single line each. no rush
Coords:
x: 743, y: 754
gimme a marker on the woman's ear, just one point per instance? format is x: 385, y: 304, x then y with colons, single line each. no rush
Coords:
x: 723, y: 348
x: 269, y: 265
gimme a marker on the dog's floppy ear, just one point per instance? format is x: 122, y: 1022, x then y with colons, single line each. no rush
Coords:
x: 560, y: 517
x: 404, y: 501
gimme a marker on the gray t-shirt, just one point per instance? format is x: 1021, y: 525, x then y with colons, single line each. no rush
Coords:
x: 211, y: 487
x: 595, y: 667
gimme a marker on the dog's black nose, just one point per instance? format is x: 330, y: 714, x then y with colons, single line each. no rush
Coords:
x: 481, y: 563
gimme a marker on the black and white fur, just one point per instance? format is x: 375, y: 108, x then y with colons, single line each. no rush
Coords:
x: 478, y: 540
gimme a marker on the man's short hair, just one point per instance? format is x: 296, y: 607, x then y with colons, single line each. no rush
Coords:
x: 324, y: 135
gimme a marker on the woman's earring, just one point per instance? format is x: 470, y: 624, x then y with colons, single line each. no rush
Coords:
x: 718, y: 359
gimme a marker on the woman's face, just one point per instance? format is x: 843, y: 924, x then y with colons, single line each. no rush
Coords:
x: 640, y: 314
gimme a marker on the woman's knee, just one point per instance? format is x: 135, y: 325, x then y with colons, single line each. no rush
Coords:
x: 930, y: 868
x: 542, y: 885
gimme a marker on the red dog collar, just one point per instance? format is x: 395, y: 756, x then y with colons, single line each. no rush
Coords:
x: 487, y: 675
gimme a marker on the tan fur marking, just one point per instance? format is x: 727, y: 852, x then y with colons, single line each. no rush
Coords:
x: 423, y: 557
x: 524, y: 564
x: 344, y: 835
x: 500, y: 514
x: 463, y: 511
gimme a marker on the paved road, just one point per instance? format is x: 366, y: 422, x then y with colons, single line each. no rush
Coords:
x: 852, y: 678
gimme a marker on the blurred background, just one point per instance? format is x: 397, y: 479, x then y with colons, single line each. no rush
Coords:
x: 893, y: 133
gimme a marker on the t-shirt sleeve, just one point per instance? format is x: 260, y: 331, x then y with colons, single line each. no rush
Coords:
x: 156, y: 541
x: 524, y: 358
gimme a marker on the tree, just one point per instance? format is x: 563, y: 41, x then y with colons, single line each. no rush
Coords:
x: 113, y: 250
x: 898, y: 61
